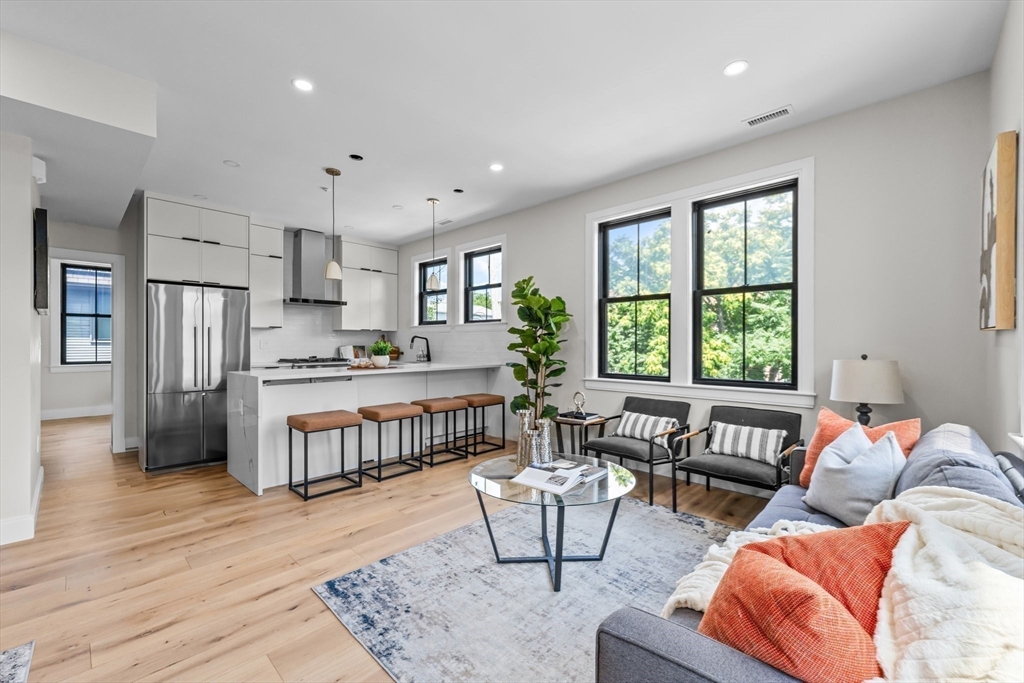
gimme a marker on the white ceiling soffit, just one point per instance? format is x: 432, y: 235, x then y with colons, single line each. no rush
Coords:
x: 93, y: 126
x: 567, y: 96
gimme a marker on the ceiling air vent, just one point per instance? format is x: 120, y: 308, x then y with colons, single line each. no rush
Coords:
x: 770, y: 116
x: 446, y: 221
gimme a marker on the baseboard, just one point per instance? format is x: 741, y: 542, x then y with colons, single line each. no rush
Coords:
x: 131, y: 443
x: 85, y: 411
x: 23, y: 528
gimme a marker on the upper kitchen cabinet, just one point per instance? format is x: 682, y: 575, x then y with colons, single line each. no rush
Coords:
x: 355, y: 255
x: 265, y: 240
x: 188, y: 243
x: 171, y: 219
x: 384, y: 260
x: 266, y: 276
x: 228, y: 229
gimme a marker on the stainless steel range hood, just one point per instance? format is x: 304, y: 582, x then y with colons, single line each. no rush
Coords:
x: 309, y: 259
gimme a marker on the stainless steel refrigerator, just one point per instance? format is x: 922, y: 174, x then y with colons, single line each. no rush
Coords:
x: 196, y: 335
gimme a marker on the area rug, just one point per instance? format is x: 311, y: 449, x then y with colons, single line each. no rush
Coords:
x: 14, y: 663
x: 446, y: 611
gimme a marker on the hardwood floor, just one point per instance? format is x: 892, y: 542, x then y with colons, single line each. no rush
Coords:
x: 187, y: 576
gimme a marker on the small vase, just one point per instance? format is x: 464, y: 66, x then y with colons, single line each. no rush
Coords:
x: 543, y: 440
x: 380, y: 361
x: 522, y: 448
x: 527, y: 454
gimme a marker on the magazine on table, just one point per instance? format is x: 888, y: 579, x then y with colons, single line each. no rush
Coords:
x: 559, y: 476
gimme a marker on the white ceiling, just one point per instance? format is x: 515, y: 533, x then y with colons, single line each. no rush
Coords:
x: 567, y: 95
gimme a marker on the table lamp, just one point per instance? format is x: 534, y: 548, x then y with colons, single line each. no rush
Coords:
x: 866, y: 381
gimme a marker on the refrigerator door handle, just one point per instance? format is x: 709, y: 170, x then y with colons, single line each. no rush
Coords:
x: 209, y: 354
x: 195, y: 356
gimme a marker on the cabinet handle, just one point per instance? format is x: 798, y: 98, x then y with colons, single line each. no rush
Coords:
x: 366, y: 269
x: 374, y: 270
x: 274, y: 327
x: 191, y: 239
x: 280, y: 257
x: 211, y: 242
x: 211, y: 282
x: 195, y: 281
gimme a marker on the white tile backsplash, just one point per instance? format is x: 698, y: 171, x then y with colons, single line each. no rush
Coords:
x: 306, y: 332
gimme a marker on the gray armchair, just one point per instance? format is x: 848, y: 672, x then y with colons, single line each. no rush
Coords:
x: 623, y: 447
x: 744, y: 470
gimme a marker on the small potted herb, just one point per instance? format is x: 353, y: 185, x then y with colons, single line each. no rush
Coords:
x: 380, y: 353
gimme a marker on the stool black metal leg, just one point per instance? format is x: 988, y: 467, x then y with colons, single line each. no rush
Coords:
x: 503, y: 411
x: 305, y: 466
x: 291, y: 479
x: 380, y: 446
x: 359, y: 454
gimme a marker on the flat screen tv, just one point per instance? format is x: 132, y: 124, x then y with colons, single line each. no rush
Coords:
x: 41, y: 265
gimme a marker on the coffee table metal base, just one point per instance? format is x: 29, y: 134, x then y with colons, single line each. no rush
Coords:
x: 553, y: 560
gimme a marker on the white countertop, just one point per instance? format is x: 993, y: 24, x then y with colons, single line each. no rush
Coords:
x: 400, y: 369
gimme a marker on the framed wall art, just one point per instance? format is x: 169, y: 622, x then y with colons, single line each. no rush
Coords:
x: 998, y: 235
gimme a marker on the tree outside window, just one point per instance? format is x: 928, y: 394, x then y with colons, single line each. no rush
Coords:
x: 483, y: 285
x: 634, y: 306
x: 745, y: 296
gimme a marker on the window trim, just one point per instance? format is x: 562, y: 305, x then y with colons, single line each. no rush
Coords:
x: 423, y: 294
x: 698, y: 291
x: 64, y: 265
x: 603, y: 299
x: 680, y: 203
x: 468, y: 288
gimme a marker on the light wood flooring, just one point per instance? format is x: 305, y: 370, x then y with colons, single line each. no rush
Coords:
x: 187, y: 576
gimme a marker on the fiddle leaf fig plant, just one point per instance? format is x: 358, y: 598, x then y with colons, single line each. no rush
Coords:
x: 537, y: 340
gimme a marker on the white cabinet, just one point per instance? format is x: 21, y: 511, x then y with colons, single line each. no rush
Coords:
x: 228, y: 229
x: 383, y: 301
x: 266, y: 241
x: 225, y: 266
x: 355, y: 255
x: 384, y: 260
x: 355, y: 292
x: 266, y: 291
x: 174, y: 260
x: 171, y: 219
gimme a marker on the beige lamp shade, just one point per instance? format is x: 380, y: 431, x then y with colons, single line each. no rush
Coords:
x: 332, y: 271
x: 866, y: 381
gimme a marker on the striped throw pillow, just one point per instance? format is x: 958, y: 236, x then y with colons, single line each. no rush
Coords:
x: 640, y: 426
x: 755, y: 443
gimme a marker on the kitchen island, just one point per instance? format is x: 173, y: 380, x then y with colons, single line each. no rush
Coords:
x: 260, y: 401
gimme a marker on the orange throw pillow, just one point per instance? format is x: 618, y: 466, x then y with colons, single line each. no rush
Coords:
x: 830, y: 426
x: 812, y: 626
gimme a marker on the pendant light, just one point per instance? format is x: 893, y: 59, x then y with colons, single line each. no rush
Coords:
x: 433, y: 282
x: 333, y: 269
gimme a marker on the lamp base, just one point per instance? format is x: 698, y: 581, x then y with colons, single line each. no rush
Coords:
x: 864, y: 414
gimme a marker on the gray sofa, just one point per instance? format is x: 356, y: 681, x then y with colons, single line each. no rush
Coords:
x: 635, y: 646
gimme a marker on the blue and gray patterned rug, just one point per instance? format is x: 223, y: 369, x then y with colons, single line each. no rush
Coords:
x: 446, y: 611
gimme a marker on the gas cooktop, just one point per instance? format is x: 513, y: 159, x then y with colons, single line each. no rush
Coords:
x: 313, y: 360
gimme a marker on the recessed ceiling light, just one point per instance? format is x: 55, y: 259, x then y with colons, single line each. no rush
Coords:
x: 458, y: 190
x: 397, y: 207
x: 735, y: 68
x: 355, y: 157
x: 496, y: 167
x: 232, y: 164
x: 200, y: 196
x: 302, y: 84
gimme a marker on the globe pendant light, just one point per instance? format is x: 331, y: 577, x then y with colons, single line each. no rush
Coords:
x: 333, y: 269
x: 433, y: 282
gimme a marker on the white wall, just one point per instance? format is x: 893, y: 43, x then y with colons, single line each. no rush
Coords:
x: 896, y: 264
x: 1005, y: 349
x: 20, y: 472
x: 64, y: 393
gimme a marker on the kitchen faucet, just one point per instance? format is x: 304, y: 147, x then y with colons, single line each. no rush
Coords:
x: 426, y: 343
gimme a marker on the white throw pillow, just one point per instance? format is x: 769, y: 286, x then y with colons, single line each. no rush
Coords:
x: 643, y: 427
x: 848, y: 485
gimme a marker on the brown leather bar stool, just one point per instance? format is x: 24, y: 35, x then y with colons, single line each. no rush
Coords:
x: 445, y: 406
x: 392, y: 412
x: 310, y: 423
x: 477, y: 403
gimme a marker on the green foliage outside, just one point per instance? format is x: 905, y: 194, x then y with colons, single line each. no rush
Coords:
x: 537, y: 341
x: 639, y: 264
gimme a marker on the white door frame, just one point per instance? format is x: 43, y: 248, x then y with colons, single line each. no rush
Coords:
x: 117, y: 323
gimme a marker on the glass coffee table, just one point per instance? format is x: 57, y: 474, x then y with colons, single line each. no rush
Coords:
x: 494, y: 478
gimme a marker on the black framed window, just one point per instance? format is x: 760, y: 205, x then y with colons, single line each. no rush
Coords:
x: 434, y: 303
x: 745, y: 288
x: 634, y: 307
x: 85, y: 296
x: 482, y: 297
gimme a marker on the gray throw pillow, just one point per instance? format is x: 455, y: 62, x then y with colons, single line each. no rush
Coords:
x: 1013, y: 468
x: 848, y: 489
